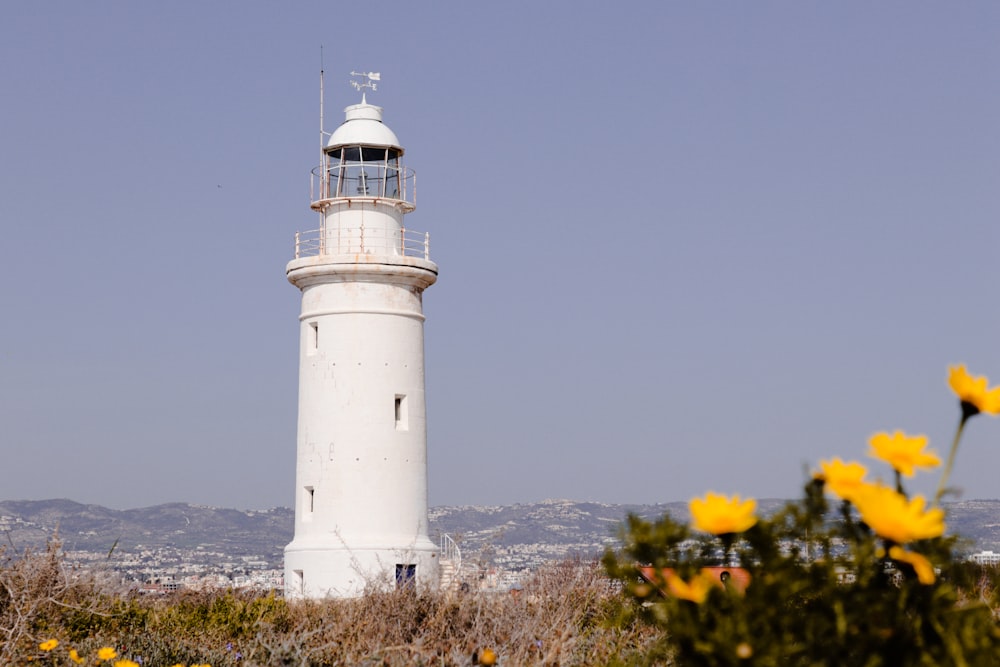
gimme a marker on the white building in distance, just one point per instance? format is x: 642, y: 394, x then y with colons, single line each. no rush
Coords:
x: 361, y: 472
x: 986, y: 558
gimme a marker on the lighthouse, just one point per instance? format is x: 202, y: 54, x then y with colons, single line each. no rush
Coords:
x: 361, y: 451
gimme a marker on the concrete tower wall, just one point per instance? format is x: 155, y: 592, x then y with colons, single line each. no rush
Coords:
x: 361, y: 412
x: 362, y: 227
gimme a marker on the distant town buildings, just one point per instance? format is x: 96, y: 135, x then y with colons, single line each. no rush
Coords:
x: 157, y: 549
x: 986, y: 558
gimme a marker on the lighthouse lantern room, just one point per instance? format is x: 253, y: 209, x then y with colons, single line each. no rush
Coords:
x: 361, y: 466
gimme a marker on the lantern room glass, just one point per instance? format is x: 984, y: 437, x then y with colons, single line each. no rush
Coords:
x: 363, y: 171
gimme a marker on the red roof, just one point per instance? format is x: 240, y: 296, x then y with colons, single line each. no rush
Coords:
x: 735, y: 577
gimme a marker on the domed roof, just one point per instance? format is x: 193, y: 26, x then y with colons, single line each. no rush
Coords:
x: 363, y: 125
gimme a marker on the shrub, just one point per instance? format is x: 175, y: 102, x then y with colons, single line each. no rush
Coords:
x: 869, y: 580
x: 561, y: 616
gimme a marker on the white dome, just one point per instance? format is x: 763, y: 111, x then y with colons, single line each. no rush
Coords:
x: 363, y: 125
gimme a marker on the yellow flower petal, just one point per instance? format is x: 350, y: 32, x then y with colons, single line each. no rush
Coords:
x: 126, y: 663
x: 694, y: 591
x: 74, y: 656
x: 719, y: 514
x: 903, y: 452
x: 973, y: 391
x: 107, y: 653
x: 895, y: 518
x: 843, y: 479
x: 49, y: 645
x: 920, y: 564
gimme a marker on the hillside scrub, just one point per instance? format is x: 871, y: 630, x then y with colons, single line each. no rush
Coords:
x: 567, y: 614
x: 563, y: 615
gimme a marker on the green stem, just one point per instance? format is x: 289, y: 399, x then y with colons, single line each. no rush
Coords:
x: 942, y: 485
x: 727, y: 544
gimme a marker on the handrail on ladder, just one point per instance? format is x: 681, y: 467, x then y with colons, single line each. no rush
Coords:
x: 451, y: 551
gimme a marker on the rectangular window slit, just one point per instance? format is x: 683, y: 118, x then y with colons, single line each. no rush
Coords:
x: 401, y: 417
x: 313, y: 344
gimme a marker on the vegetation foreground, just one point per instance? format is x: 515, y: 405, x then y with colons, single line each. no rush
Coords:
x: 566, y: 615
x: 857, y: 572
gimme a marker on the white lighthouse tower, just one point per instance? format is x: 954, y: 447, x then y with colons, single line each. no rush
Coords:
x: 361, y: 471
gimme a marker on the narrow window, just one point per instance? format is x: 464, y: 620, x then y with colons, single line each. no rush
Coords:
x: 313, y: 344
x: 401, y: 420
x: 310, y: 499
x: 300, y: 581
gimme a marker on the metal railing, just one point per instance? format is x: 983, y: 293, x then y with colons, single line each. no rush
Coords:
x: 375, y: 180
x: 363, y: 241
x: 450, y: 551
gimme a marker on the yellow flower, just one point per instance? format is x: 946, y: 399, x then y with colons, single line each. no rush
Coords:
x: 49, y: 645
x: 903, y: 452
x: 973, y: 392
x: 718, y: 514
x: 844, y: 479
x: 74, y: 656
x: 920, y: 564
x: 894, y: 517
x: 107, y: 653
x: 695, y: 591
x: 487, y: 657
x: 641, y: 590
x: 126, y: 663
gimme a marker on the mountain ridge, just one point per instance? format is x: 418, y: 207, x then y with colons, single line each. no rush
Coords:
x: 514, y: 536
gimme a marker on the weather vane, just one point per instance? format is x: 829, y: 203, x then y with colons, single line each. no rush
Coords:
x: 371, y: 77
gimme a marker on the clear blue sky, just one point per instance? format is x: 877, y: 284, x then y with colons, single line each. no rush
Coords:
x: 683, y: 246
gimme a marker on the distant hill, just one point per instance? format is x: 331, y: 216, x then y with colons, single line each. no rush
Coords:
x: 518, y: 535
x: 29, y: 523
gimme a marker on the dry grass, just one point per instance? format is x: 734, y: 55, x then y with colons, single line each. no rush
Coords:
x: 567, y: 614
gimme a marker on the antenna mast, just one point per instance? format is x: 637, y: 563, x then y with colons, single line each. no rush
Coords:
x: 324, y: 187
x: 321, y: 133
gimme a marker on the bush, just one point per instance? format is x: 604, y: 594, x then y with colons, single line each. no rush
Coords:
x: 869, y: 580
x: 561, y: 616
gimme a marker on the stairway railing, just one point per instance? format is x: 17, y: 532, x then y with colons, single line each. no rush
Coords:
x: 450, y: 551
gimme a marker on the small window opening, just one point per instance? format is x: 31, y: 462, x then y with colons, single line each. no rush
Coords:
x: 310, y: 499
x: 300, y: 581
x: 401, y: 417
x: 313, y: 344
x: 406, y: 576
